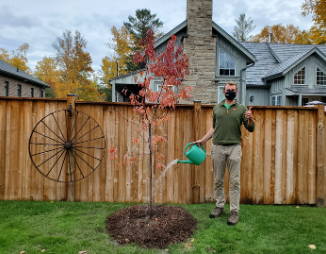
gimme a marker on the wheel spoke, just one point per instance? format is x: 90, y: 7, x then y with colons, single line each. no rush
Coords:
x: 52, y: 131
x: 89, y: 140
x: 47, y: 137
x: 73, y: 156
x: 46, y: 144
x: 46, y: 151
x: 58, y: 126
x: 69, y: 164
x: 50, y: 157
x: 62, y: 165
x: 87, y: 154
x: 87, y: 132
x: 55, y: 163
x: 83, y: 160
x: 80, y: 129
x: 91, y: 147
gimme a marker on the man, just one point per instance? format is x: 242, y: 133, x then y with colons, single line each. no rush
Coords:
x: 226, y: 133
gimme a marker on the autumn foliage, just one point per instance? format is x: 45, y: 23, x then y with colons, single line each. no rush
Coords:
x: 153, y: 108
x: 17, y: 57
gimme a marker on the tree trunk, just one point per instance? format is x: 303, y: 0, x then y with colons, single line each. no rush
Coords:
x: 151, y: 169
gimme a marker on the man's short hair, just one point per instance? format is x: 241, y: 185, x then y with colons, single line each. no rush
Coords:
x: 231, y: 83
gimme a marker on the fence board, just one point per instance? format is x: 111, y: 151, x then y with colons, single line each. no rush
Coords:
x: 3, y: 126
x: 267, y: 156
x: 278, y: 157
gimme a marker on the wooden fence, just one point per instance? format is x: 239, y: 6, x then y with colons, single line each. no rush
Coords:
x: 282, y: 161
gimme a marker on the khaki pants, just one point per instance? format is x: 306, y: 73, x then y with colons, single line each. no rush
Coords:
x: 230, y: 156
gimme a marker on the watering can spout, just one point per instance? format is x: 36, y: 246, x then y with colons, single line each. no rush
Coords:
x: 195, y: 154
x: 188, y: 162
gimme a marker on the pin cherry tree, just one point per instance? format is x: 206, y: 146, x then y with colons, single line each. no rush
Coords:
x: 153, y: 108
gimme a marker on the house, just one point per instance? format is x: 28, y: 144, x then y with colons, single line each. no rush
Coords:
x: 17, y: 83
x: 266, y: 73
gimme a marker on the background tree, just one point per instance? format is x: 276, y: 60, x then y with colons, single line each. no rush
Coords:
x: 281, y: 34
x: 243, y: 28
x: 153, y: 107
x: 122, y: 45
x: 74, y: 64
x: 317, y: 8
x: 138, y: 26
x: 17, y: 57
x: 47, y: 71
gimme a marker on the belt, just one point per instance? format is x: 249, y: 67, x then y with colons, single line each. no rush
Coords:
x: 224, y: 144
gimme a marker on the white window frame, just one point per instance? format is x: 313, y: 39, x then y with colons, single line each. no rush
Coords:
x: 317, y: 67
x: 219, y: 64
x: 220, y: 93
x: 304, y: 82
x: 158, y: 87
x: 277, y: 97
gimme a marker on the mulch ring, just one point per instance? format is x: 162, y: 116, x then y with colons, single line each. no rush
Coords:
x: 169, y: 224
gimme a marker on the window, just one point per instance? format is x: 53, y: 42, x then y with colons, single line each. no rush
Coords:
x: 299, y: 77
x: 227, y: 64
x: 220, y: 95
x: 6, y: 88
x: 159, y: 87
x: 321, y: 77
x: 276, y: 100
x: 32, y: 92
x: 41, y: 93
x: 19, y: 91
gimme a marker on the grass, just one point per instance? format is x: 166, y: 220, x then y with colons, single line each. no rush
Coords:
x: 70, y: 227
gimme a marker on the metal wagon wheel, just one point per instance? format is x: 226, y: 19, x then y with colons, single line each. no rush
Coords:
x: 67, y: 148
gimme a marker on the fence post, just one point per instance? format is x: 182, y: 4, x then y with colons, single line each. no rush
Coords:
x: 70, y: 186
x: 320, y: 202
x: 195, y: 186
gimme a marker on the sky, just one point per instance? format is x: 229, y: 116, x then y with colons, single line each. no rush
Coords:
x: 39, y: 23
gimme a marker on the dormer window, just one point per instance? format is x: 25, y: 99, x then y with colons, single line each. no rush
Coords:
x: 227, y: 64
x: 299, y: 77
x: 321, y: 77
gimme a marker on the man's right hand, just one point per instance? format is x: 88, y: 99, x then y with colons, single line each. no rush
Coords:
x: 198, y: 142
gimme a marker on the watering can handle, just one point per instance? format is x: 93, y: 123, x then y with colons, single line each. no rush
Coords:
x: 193, y: 144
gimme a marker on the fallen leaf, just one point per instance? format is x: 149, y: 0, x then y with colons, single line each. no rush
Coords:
x: 83, y: 252
x: 22, y: 252
x: 51, y: 201
x: 166, y: 249
x: 188, y: 245
x: 209, y: 249
x: 312, y: 246
x: 192, y: 240
x: 298, y: 207
x: 43, y: 250
x: 127, y: 240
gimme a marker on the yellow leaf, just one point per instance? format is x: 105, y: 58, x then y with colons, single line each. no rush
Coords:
x: 192, y: 240
x: 188, y: 245
x: 298, y: 207
x: 22, y: 252
x: 312, y: 246
x: 43, y: 250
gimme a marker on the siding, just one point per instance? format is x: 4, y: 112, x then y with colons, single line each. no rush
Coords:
x: 260, y: 96
x: 13, y: 85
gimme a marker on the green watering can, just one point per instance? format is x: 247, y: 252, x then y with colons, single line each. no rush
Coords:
x: 195, y: 154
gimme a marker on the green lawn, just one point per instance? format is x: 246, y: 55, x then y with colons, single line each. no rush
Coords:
x: 70, y: 227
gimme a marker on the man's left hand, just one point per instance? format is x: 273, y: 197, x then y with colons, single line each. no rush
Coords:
x: 249, y: 115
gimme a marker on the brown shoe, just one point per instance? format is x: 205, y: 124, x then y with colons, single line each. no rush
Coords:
x: 216, y: 212
x: 234, y: 218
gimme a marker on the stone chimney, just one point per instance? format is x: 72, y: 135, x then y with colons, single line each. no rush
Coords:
x: 200, y: 47
x: 199, y: 17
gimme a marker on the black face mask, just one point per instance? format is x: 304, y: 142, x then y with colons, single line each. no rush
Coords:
x: 230, y: 95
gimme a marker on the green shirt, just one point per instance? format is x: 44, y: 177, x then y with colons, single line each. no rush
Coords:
x: 227, y: 123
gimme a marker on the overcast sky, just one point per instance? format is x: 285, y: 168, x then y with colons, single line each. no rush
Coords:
x: 39, y: 23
